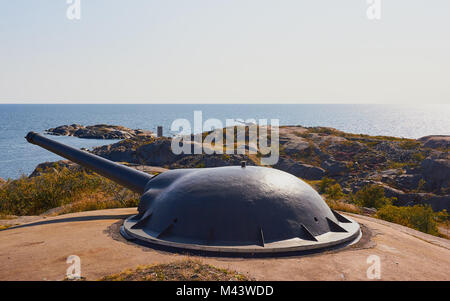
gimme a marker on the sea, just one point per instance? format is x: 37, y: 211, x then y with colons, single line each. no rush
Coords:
x: 17, y: 157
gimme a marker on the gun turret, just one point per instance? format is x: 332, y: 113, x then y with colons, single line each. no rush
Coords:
x: 232, y: 209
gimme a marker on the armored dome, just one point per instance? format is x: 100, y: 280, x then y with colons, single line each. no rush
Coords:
x: 236, y: 209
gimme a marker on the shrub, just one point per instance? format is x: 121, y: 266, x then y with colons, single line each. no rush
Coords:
x: 334, y: 192
x: 418, y: 157
x: 443, y: 216
x: 419, y: 217
x: 325, y: 183
x: 421, y: 185
x: 372, y: 196
x: 331, y: 188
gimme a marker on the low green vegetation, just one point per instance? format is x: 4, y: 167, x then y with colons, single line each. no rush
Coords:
x: 335, y: 192
x: 332, y: 189
x: 421, y: 185
x: 200, y: 165
x: 334, y: 196
x: 73, y: 189
x: 325, y: 183
x: 409, y: 144
x: 372, y: 196
x: 419, y: 217
x: 396, y: 165
x: 418, y: 157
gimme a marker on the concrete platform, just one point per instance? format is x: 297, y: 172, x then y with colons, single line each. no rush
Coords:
x: 38, y: 251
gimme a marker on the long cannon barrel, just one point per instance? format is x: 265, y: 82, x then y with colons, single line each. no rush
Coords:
x: 125, y: 176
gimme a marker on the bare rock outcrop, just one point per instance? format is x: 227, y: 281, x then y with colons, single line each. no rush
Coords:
x: 304, y: 171
x: 436, y: 141
x: 99, y: 131
x: 436, y: 173
x: 53, y: 166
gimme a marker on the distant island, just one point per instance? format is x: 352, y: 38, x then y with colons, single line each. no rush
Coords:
x: 99, y: 131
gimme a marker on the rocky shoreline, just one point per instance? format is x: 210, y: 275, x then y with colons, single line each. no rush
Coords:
x: 99, y: 131
x: 413, y: 171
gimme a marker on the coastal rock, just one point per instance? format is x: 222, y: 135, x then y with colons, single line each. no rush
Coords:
x: 99, y: 131
x: 393, y: 152
x: 408, y: 181
x: 116, y: 152
x: 436, y: 141
x: 369, y: 211
x: 334, y: 168
x: 2, y: 182
x: 295, y: 145
x: 437, y: 202
x: 157, y: 153
x: 342, y: 149
x: 436, y: 173
x: 52, y: 166
x: 303, y: 171
x: 390, y: 174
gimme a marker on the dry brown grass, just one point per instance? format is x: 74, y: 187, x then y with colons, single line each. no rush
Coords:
x: 340, y: 205
x: 73, y: 190
x: 444, y: 229
x: 185, y: 270
x: 94, y: 201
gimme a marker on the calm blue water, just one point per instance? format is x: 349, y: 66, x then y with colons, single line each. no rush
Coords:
x: 18, y: 157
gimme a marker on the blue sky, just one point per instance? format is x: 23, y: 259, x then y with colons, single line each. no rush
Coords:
x: 252, y: 51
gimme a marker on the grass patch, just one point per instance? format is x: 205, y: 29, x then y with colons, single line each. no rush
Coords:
x: 186, y: 270
x: 75, y: 189
x: 340, y: 205
x: 409, y: 144
x: 5, y: 216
